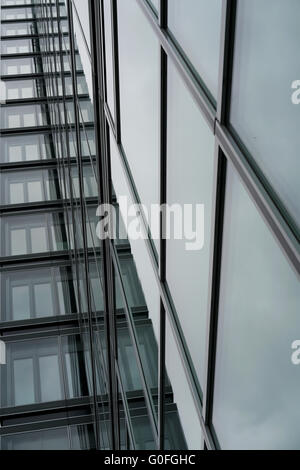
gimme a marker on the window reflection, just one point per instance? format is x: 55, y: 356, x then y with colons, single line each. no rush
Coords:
x: 37, y: 293
x: 139, y: 75
x: 44, y: 370
x: 262, y: 112
x: 190, y: 159
x: 196, y: 25
x: 256, y: 385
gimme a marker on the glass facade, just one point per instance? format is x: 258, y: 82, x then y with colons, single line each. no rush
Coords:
x: 55, y: 290
x: 142, y: 343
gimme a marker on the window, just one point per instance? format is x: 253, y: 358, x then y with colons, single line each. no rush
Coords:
x: 30, y: 186
x: 196, y: 25
x: 37, y: 293
x: 139, y: 90
x: 190, y: 159
x: 16, y: 90
x: 26, y: 148
x: 43, y: 370
x: 22, y: 66
x: 77, y: 437
x: 16, y: 13
x: 34, y: 233
x: 17, y: 29
x: 17, y: 46
x: 262, y: 113
x: 256, y: 384
x: 23, y: 116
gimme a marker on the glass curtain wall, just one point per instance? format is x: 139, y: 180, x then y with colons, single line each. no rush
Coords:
x: 57, y: 299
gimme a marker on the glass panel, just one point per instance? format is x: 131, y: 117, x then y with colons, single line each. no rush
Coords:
x: 44, y: 439
x: 35, y: 192
x: 139, y: 88
x: 49, y: 372
x: 188, y: 255
x: 196, y: 25
x: 16, y: 193
x: 43, y: 300
x: 37, y: 293
x: 23, y: 382
x: 20, y: 302
x: 188, y: 433
x: 18, y: 242
x: 38, y: 239
x: 256, y: 384
x: 262, y: 113
x: 32, y: 373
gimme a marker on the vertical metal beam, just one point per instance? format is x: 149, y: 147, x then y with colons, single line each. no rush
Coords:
x: 116, y: 73
x: 163, y: 21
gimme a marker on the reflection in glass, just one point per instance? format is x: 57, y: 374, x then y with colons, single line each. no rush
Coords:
x: 262, y: 113
x: 190, y: 160
x: 44, y: 370
x: 139, y: 75
x: 256, y: 403
x: 196, y: 25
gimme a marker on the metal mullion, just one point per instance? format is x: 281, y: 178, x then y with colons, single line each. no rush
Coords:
x: 163, y: 22
x: 83, y: 215
x: 96, y: 16
x: 116, y: 72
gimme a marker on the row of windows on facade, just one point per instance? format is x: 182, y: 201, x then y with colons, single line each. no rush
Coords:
x: 27, y: 13
x: 18, y: 187
x: 82, y: 437
x: 45, y: 146
x: 27, y: 46
x: 53, y: 291
x: 59, y: 367
x: 26, y: 89
x: 30, y: 28
x: 52, y: 231
x: 32, y: 65
x: 15, y: 117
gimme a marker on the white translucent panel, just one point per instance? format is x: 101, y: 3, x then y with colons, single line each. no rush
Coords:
x: 196, y: 25
x: 23, y: 382
x: 31, y: 152
x: 38, y: 239
x: 43, y: 300
x: 15, y: 153
x: 29, y: 119
x: 50, y: 378
x: 18, y: 241
x: 14, y: 120
x: 35, y: 191
x: 16, y: 193
x: 20, y: 303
